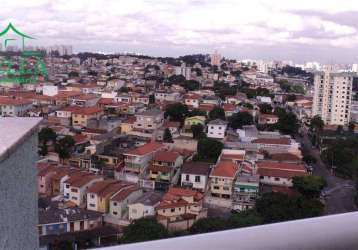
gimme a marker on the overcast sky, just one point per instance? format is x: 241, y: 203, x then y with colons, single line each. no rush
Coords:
x: 300, y: 30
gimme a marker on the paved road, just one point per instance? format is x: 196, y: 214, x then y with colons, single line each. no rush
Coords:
x: 340, y: 191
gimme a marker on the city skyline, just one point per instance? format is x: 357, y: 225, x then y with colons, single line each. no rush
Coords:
x: 304, y: 31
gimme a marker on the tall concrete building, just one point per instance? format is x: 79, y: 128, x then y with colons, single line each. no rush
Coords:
x: 18, y: 183
x: 333, y: 96
x: 215, y: 59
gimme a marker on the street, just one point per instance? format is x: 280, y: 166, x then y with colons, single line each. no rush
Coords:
x: 339, y: 192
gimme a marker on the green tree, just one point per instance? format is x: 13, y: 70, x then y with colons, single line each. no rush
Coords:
x: 176, y: 112
x: 143, y: 229
x: 197, y: 112
x: 291, y: 98
x: 47, y: 134
x: 63, y: 147
x: 265, y: 108
x: 151, y: 99
x: 275, y: 207
x: 217, y: 113
x: 240, y: 119
x: 191, y: 85
x: 309, y: 186
x: 288, y: 123
x: 198, y: 131
x: 245, y: 219
x: 208, y: 149
x: 167, y: 137
x: 207, y: 225
x: 316, y: 124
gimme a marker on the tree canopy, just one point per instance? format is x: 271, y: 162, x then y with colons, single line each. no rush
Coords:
x: 208, y: 149
x: 176, y: 111
x: 167, y: 137
x: 143, y: 229
x: 240, y: 119
x: 217, y: 113
x: 265, y: 108
x: 309, y: 186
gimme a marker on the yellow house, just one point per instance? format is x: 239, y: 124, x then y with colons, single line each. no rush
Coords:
x: 99, y: 194
x: 194, y: 120
x: 82, y: 115
x: 127, y: 125
x: 222, y: 178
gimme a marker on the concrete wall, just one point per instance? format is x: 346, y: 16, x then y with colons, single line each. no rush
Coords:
x: 18, y: 197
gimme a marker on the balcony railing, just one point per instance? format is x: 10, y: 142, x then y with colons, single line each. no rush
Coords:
x: 327, y: 232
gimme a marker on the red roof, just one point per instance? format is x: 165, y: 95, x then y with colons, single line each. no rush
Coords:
x: 105, y: 101
x: 145, y: 149
x: 12, y: 101
x: 170, y: 124
x: 166, y: 156
x: 124, y: 193
x: 278, y: 141
x: 281, y: 165
x: 282, y: 173
x: 229, y: 107
x: 225, y: 168
x: 87, y: 110
x: 174, y: 197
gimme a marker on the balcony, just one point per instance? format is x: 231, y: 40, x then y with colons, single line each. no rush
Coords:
x: 326, y: 232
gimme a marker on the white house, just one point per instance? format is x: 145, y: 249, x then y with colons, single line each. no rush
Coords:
x: 144, y: 206
x: 195, y: 175
x: 217, y: 129
x: 75, y: 188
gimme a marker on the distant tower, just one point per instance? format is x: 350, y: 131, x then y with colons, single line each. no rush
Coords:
x: 215, y: 58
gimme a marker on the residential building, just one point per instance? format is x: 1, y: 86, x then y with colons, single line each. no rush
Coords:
x: 245, y: 191
x: 119, y: 202
x: 165, y: 166
x: 195, y: 175
x: 267, y: 119
x: 14, y: 107
x: 81, y: 116
x: 279, y: 173
x: 180, y: 208
x: 333, y: 96
x: 222, y: 178
x: 144, y: 205
x: 217, y: 129
x: 138, y: 160
x: 149, y: 120
x: 99, y: 194
x: 76, y: 187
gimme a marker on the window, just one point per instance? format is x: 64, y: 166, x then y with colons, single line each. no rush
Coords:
x: 114, y: 203
x: 67, y: 185
x: 226, y: 188
x: 187, y: 177
x: 216, y: 187
x: 114, y: 212
x: 92, y: 196
x: 277, y: 178
x: 134, y: 211
x: 92, y: 205
x: 172, y: 210
x: 197, y: 178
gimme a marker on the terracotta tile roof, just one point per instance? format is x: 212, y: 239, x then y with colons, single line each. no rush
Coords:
x: 105, y: 101
x: 174, y: 197
x: 166, y: 156
x: 282, y: 173
x: 285, y: 157
x: 229, y: 107
x: 145, y: 149
x: 69, y: 109
x: 80, y: 138
x: 192, y: 96
x: 12, y: 101
x: 281, y: 165
x: 87, y: 110
x: 225, y: 168
x: 107, y: 187
x: 277, y: 141
x: 266, y: 116
x: 85, y: 97
x: 240, y: 157
x: 83, y: 180
x: 162, y: 169
x: 206, y: 107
